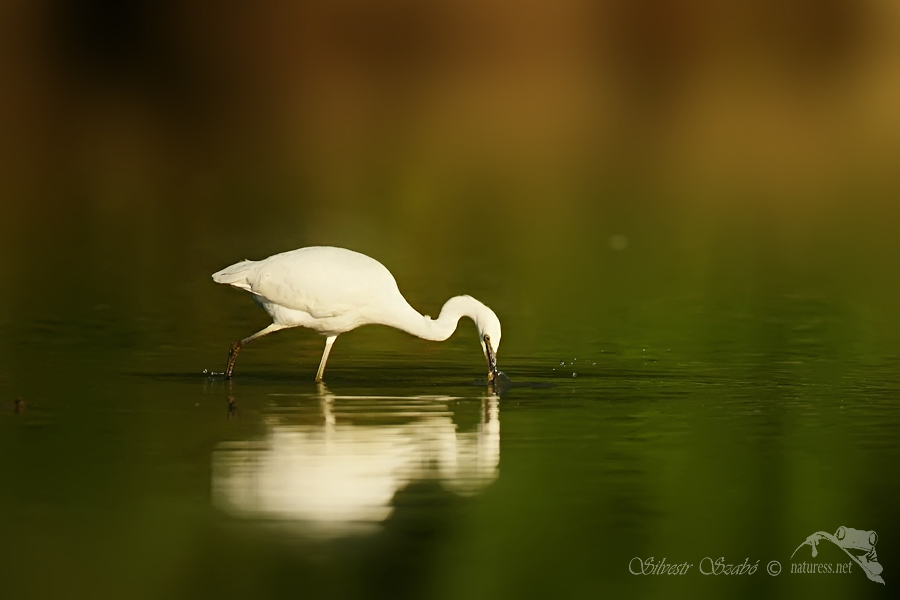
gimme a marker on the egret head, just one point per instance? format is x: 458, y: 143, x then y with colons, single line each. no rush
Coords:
x: 489, y: 333
x: 486, y: 322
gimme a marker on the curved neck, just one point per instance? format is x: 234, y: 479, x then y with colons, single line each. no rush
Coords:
x: 441, y: 328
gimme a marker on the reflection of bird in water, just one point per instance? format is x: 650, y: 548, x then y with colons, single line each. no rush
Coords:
x: 340, y: 475
x: 333, y: 290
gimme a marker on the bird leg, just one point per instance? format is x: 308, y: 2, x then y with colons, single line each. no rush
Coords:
x: 236, y: 347
x: 232, y: 356
x: 329, y: 341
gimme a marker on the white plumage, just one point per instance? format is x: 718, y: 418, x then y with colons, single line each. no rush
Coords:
x: 333, y: 290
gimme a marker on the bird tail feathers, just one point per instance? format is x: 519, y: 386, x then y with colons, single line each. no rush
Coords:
x: 236, y: 274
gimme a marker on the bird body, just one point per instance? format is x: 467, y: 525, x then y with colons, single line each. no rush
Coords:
x: 329, y: 290
x: 334, y: 290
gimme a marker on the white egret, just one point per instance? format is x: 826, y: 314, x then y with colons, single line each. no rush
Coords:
x: 333, y: 290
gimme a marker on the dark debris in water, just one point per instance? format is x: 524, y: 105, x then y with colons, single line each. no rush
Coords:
x: 17, y: 406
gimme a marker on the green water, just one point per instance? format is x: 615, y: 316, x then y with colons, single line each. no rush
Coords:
x: 724, y: 385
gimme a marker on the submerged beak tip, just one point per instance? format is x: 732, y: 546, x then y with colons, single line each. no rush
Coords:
x: 491, y: 357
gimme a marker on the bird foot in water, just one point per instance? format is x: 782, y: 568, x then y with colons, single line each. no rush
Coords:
x: 232, y: 357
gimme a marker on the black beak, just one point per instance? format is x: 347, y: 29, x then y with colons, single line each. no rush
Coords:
x: 491, y: 358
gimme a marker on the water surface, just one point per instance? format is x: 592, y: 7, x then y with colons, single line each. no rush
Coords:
x: 711, y: 388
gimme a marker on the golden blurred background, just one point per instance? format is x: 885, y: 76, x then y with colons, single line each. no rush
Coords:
x: 143, y: 101
x: 586, y: 151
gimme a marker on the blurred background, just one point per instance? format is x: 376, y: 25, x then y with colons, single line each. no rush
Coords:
x: 400, y: 127
x: 143, y: 104
x: 697, y: 198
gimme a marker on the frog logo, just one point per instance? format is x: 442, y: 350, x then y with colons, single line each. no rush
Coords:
x: 858, y: 544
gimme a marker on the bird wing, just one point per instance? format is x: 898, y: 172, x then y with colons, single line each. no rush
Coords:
x: 236, y: 274
x: 324, y: 282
